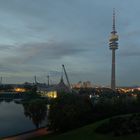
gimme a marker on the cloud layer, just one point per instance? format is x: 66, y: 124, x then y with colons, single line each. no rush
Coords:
x: 36, y: 37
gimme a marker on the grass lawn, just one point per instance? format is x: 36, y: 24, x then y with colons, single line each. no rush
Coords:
x: 87, y: 133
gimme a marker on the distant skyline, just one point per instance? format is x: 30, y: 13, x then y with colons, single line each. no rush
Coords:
x: 38, y: 36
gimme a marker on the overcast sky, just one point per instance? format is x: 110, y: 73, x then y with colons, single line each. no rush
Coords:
x: 38, y: 36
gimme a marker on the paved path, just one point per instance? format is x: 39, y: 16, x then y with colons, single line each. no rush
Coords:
x: 39, y: 132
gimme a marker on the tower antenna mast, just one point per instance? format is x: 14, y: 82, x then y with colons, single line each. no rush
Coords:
x: 113, y: 45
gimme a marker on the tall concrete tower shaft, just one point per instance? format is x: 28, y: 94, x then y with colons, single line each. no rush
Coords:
x: 113, y: 45
x: 113, y: 79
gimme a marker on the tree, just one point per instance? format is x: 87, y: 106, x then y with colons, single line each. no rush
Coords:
x: 69, y: 111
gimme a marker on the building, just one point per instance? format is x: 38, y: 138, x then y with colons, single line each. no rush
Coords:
x: 56, y: 90
x: 80, y: 84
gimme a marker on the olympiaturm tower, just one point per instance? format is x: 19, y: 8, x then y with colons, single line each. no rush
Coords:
x: 113, y: 45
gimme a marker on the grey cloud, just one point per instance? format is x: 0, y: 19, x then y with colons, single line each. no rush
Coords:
x: 129, y: 49
x: 68, y: 22
x: 5, y: 47
x: 133, y: 33
x: 133, y: 54
x: 36, y: 51
x: 33, y: 57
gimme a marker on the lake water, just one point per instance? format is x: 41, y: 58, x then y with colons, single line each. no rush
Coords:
x: 13, y: 119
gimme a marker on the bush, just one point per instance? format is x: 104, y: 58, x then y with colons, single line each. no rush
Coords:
x: 120, y: 126
x: 69, y: 111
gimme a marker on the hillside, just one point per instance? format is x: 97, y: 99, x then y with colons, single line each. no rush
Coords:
x: 87, y: 133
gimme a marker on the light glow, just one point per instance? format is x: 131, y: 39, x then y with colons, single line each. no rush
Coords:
x: 19, y: 90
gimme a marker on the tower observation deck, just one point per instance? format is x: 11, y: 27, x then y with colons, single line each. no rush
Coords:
x: 113, y: 45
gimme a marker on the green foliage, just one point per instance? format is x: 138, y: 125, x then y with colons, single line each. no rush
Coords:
x: 87, y: 133
x: 107, y: 107
x: 121, y: 125
x: 30, y: 88
x: 7, y: 88
x: 69, y: 111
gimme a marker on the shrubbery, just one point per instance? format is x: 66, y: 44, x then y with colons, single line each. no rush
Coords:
x: 70, y: 111
x: 121, y: 125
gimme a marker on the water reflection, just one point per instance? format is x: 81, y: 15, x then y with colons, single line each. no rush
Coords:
x: 24, y: 116
x: 36, y: 110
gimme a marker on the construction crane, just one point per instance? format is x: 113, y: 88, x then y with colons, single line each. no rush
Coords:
x: 66, y: 76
